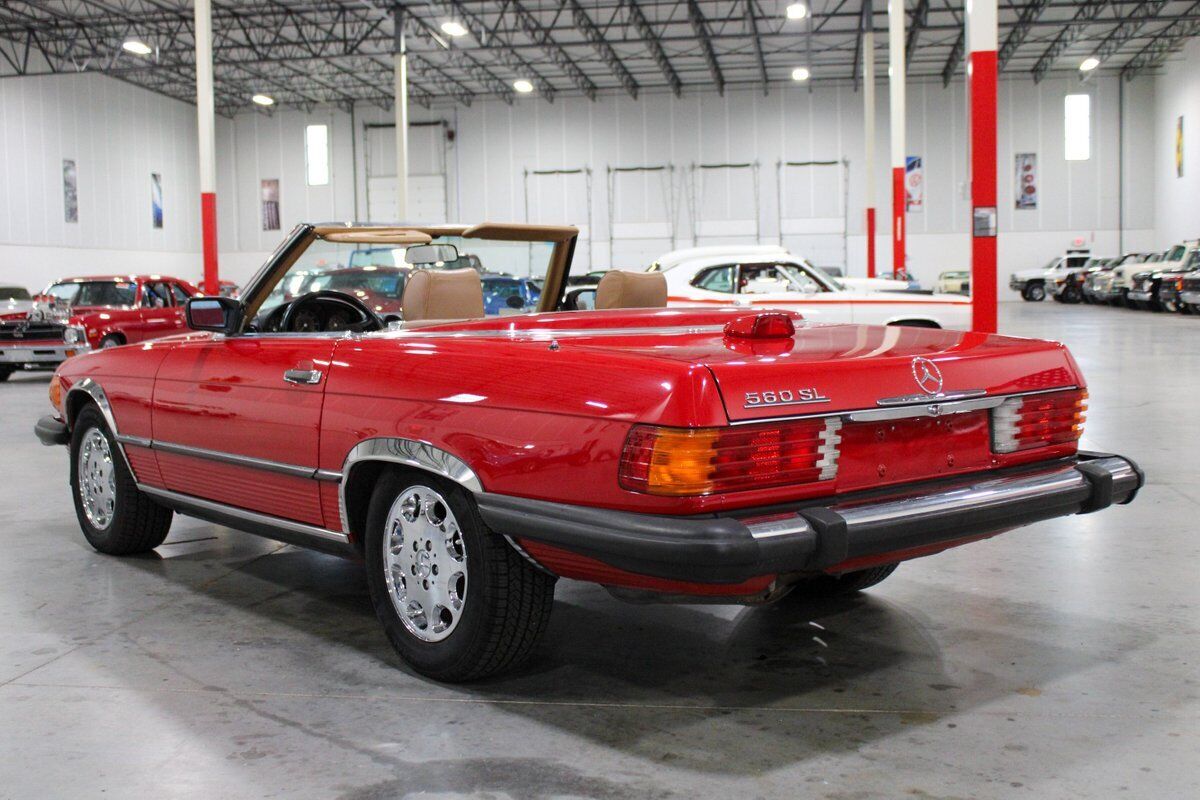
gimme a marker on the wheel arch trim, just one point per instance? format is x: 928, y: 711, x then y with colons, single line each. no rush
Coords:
x: 95, y: 392
x: 405, y: 452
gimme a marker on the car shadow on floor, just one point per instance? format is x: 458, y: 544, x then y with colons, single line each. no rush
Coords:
x: 716, y: 689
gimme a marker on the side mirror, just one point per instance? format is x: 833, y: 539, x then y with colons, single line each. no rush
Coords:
x: 580, y: 299
x: 220, y: 314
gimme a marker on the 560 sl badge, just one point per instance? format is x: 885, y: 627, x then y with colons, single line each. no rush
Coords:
x: 784, y: 397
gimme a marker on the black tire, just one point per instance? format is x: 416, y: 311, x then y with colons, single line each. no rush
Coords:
x: 840, y: 585
x: 112, y: 340
x: 507, y: 601
x: 5, y: 372
x: 138, y: 524
x: 1070, y: 294
x: 1193, y: 308
x: 1034, y: 292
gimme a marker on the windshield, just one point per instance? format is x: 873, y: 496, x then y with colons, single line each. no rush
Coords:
x: 377, y: 275
x: 93, y: 293
x: 799, y: 278
x: 13, y: 293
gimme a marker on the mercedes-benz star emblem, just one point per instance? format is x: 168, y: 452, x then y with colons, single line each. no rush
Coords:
x: 927, y: 375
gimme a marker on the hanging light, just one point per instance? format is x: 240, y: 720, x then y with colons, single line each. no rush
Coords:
x: 137, y: 47
x: 1089, y: 64
x: 523, y: 86
x: 263, y: 99
x: 800, y: 74
x: 452, y: 27
x: 797, y: 11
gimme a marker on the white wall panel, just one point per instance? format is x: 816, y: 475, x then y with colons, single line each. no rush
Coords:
x: 1178, y: 94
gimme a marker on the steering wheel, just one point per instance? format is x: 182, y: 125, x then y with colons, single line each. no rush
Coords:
x: 367, y: 321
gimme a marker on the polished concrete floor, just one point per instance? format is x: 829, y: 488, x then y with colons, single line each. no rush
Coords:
x: 1056, y: 661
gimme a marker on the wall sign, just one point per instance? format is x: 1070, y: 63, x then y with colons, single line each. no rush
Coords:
x: 270, y: 204
x: 70, y: 191
x: 914, y: 185
x: 156, y: 211
x: 984, y: 222
x: 1026, y: 181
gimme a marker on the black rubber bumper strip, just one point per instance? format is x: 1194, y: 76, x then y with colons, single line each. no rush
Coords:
x: 809, y: 537
x: 52, y: 431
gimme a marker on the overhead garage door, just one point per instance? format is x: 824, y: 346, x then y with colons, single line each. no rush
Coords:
x: 427, y: 201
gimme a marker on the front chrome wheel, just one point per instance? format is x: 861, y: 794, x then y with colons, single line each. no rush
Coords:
x: 425, y: 563
x: 97, y: 479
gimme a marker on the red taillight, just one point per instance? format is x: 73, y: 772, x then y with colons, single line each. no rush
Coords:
x: 771, y: 325
x: 699, y: 461
x: 1042, y: 420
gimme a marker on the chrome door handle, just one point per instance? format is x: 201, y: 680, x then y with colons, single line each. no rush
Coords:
x: 307, y: 377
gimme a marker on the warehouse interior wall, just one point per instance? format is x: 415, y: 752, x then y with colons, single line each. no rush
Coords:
x: 478, y: 158
x: 1177, y: 96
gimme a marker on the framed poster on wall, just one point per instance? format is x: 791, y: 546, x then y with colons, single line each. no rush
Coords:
x: 156, y: 210
x: 1025, y: 190
x: 914, y: 185
x: 270, y: 204
x: 1179, y: 147
x: 70, y: 191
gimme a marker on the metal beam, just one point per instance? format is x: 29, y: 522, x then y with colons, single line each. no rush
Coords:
x: 1067, y: 37
x: 655, y: 47
x: 917, y: 21
x: 534, y: 30
x: 1129, y: 27
x: 1028, y: 14
x: 752, y: 26
x: 1166, y: 41
x: 504, y: 54
x: 955, y: 58
x: 603, y: 48
x: 701, y: 30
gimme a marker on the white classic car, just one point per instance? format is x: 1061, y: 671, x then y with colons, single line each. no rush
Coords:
x: 753, y: 278
x: 767, y: 252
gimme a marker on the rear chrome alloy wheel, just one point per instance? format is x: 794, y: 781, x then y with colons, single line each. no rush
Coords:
x: 97, y: 479
x: 425, y: 563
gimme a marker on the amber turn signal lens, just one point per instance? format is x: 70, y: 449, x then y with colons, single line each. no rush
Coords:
x: 55, y: 392
x: 697, y: 461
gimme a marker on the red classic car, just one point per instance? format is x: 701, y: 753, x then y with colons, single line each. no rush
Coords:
x: 714, y: 455
x: 74, y: 315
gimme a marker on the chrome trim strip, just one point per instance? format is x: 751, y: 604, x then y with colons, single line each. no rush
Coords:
x: 974, y: 497
x: 938, y: 409
x: 327, y: 475
x: 411, y: 453
x: 904, y: 412
x: 940, y: 397
x: 96, y: 392
x: 233, y: 458
x: 288, y: 525
x: 137, y: 441
x: 779, y: 527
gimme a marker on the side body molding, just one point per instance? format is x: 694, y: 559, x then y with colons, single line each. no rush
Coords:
x: 410, y: 453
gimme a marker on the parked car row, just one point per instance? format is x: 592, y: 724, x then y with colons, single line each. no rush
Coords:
x: 1150, y: 281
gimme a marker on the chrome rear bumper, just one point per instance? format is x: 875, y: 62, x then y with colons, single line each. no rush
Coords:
x: 898, y: 523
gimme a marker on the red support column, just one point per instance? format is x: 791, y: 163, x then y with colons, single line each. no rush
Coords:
x: 981, y: 86
x: 208, y: 242
x: 870, y: 243
x: 898, y: 207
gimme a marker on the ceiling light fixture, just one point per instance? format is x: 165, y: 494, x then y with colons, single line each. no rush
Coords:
x: 800, y: 74
x: 1089, y: 64
x: 523, y: 86
x: 137, y: 47
x: 797, y: 11
x: 263, y: 99
x: 453, y: 27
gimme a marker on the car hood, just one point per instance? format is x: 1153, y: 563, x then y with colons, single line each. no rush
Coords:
x: 822, y: 368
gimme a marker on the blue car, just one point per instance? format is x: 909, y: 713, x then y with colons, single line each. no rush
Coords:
x: 504, y: 294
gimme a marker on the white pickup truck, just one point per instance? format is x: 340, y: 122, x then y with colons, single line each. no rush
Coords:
x: 1032, y: 283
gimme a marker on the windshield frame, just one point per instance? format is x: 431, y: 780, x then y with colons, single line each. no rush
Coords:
x: 562, y: 237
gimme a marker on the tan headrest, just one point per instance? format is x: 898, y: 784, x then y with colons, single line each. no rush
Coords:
x: 442, y: 294
x: 620, y: 289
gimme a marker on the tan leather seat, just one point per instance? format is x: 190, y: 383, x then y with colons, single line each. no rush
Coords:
x: 619, y: 289
x: 442, y: 294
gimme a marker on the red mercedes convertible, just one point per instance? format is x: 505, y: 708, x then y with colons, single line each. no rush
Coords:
x: 695, y: 455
